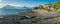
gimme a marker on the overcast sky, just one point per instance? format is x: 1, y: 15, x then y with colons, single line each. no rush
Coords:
x: 29, y: 3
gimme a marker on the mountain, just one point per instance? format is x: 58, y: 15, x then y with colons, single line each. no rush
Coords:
x: 13, y: 7
x: 56, y: 5
x: 8, y: 7
x: 49, y: 7
x: 12, y: 10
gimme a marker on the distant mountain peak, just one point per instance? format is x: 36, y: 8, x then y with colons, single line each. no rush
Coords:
x: 8, y: 7
x: 13, y: 7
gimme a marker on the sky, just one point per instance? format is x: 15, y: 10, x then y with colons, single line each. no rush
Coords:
x: 28, y: 3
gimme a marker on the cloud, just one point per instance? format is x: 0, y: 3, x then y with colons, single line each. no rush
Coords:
x: 0, y: 0
x: 2, y: 5
x: 15, y: 5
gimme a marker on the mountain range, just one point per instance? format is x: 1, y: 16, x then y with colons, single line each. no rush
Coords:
x: 8, y: 9
x: 13, y: 7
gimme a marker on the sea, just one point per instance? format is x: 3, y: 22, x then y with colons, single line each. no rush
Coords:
x: 13, y: 11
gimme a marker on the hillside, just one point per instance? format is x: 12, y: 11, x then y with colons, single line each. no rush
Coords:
x: 55, y: 7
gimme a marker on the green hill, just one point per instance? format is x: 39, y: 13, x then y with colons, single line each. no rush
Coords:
x: 49, y: 7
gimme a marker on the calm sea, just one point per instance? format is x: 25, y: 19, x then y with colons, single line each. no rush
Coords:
x: 13, y: 11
